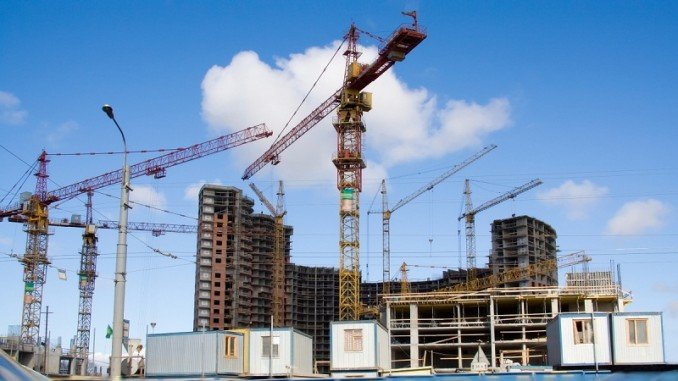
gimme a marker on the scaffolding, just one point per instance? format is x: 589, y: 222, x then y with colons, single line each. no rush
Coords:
x: 444, y: 329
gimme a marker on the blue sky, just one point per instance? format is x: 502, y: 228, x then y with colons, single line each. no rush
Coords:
x: 580, y: 94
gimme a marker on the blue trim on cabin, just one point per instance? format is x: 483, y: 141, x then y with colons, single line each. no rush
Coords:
x: 228, y: 333
x: 376, y: 345
x: 636, y: 313
x: 280, y: 329
x: 292, y: 348
x: 661, y: 321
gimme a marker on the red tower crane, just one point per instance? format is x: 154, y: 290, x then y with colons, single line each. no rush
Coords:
x: 35, y: 210
x: 352, y: 102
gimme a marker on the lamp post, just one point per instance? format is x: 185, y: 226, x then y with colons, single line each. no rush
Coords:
x: 120, y: 260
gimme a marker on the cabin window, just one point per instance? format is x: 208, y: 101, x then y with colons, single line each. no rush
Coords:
x: 230, y: 347
x: 266, y: 346
x: 583, y: 332
x: 353, y: 340
x: 637, y: 329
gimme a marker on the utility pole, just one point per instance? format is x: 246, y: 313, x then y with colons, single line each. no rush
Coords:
x: 44, y: 365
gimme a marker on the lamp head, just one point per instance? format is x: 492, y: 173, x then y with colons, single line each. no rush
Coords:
x: 108, y: 110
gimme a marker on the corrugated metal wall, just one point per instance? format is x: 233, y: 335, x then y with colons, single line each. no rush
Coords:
x: 626, y: 352
x: 553, y: 342
x: 364, y: 359
x: 190, y: 353
x: 383, y: 348
x: 302, y: 354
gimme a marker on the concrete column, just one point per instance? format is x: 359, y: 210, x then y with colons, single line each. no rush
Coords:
x: 588, y: 305
x: 414, y: 335
x: 388, y: 330
x: 460, y: 362
x: 493, y: 356
x: 554, y: 307
x: 523, y: 320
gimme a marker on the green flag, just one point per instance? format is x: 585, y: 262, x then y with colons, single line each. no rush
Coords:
x: 109, y: 332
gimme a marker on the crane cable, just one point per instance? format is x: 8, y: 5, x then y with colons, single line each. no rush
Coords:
x: 309, y: 91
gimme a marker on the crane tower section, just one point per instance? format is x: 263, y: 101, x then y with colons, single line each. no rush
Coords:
x: 349, y: 163
x: 86, y: 282
x: 35, y: 259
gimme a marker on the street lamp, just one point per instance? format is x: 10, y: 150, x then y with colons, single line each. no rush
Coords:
x: 120, y: 259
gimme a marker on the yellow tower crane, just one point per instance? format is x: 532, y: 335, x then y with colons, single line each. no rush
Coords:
x: 351, y: 102
x: 278, y: 212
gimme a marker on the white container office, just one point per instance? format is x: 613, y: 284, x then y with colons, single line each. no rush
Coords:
x: 573, y: 340
x: 289, y: 353
x: 359, y: 349
x: 182, y: 354
x: 637, y: 338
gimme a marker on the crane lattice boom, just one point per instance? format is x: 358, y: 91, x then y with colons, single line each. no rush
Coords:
x: 386, y: 212
x: 506, y: 196
x: 442, y: 177
x: 155, y: 166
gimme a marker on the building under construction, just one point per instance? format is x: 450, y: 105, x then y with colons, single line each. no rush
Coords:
x: 234, y: 261
x: 445, y: 330
x: 233, y: 289
x: 520, y: 242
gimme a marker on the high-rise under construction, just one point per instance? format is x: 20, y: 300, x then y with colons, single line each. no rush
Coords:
x: 234, y: 261
x: 522, y: 241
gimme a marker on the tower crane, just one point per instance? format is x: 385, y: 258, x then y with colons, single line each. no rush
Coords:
x: 351, y: 103
x: 386, y: 212
x: 36, y: 211
x: 470, y: 215
x: 278, y: 212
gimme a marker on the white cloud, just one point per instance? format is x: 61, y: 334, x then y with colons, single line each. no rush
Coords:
x: 576, y: 198
x: 10, y: 111
x: 193, y: 190
x: 672, y: 308
x: 4, y: 241
x: 61, y: 131
x: 147, y: 195
x: 637, y: 217
x: 405, y: 124
x: 665, y: 287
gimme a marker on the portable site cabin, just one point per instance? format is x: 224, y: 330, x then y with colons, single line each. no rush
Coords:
x: 359, y: 349
x: 207, y: 353
x: 289, y: 353
x: 637, y: 338
x: 572, y: 339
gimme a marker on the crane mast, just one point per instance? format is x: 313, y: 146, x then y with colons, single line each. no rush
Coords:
x: 278, y: 294
x: 351, y: 103
x: 86, y: 282
x: 35, y: 259
x: 36, y: 212
x: 386, y: 212
x: 470, y: 214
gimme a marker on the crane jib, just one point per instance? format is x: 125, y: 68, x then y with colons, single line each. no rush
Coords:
x: 401, y: 42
